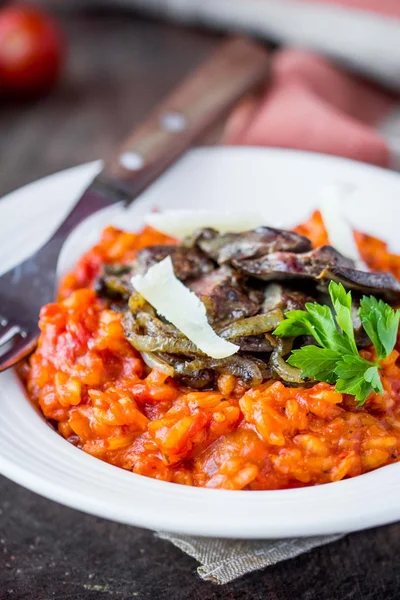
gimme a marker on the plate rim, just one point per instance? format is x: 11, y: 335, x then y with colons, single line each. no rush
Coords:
x: 56, y: 493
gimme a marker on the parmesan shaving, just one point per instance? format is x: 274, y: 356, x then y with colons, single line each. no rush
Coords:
x: 180, y: 223
x: 181, y: 307
x: 340, y: 232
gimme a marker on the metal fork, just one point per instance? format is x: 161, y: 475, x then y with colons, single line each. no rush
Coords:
x: 24, y: 289
x: 237, y: 67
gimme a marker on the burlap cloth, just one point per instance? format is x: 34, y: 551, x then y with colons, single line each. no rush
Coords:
x: 222, y: 561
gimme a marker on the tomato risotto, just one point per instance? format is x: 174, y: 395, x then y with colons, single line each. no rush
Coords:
x: 248, y: 421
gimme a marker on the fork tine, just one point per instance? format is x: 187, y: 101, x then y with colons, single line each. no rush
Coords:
x: 9, y: 332
x: 17, y: 352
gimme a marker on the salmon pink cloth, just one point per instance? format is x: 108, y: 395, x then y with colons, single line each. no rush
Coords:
x: 313, y: 105
x: 390, y: 8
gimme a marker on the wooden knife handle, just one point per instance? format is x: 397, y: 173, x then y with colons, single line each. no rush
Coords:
x: 238, y: 66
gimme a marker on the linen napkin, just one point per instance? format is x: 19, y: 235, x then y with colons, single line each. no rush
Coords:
x: 310, y: 104
x: 222, y: 561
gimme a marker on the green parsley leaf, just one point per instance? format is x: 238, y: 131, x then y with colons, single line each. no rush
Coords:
x: 336, y: 358
x: 323, y: 327
x: 381, y: 323
x: 339, y: 295
x: 372, y: 376
x: 342, y: 304
x: 358, y: 377
x: 317, y: 320
x: 296, y: 323
x: 359, y: 388
x: 316, y: 363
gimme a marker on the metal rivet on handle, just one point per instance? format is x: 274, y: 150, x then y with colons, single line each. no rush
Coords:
x: 131, y: 161
x: 173, y: 122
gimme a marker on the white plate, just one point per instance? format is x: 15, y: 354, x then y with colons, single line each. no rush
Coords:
x: 284, y: 186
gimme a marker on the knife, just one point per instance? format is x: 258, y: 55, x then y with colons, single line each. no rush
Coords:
x: 238, y: 66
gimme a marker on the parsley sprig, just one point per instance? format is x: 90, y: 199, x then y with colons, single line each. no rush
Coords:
x: 336, y: 359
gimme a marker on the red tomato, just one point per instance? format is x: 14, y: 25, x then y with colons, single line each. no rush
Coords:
x: 31, y: 51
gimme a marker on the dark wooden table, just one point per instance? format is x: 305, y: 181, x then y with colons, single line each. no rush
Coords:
x: 119, y: 67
